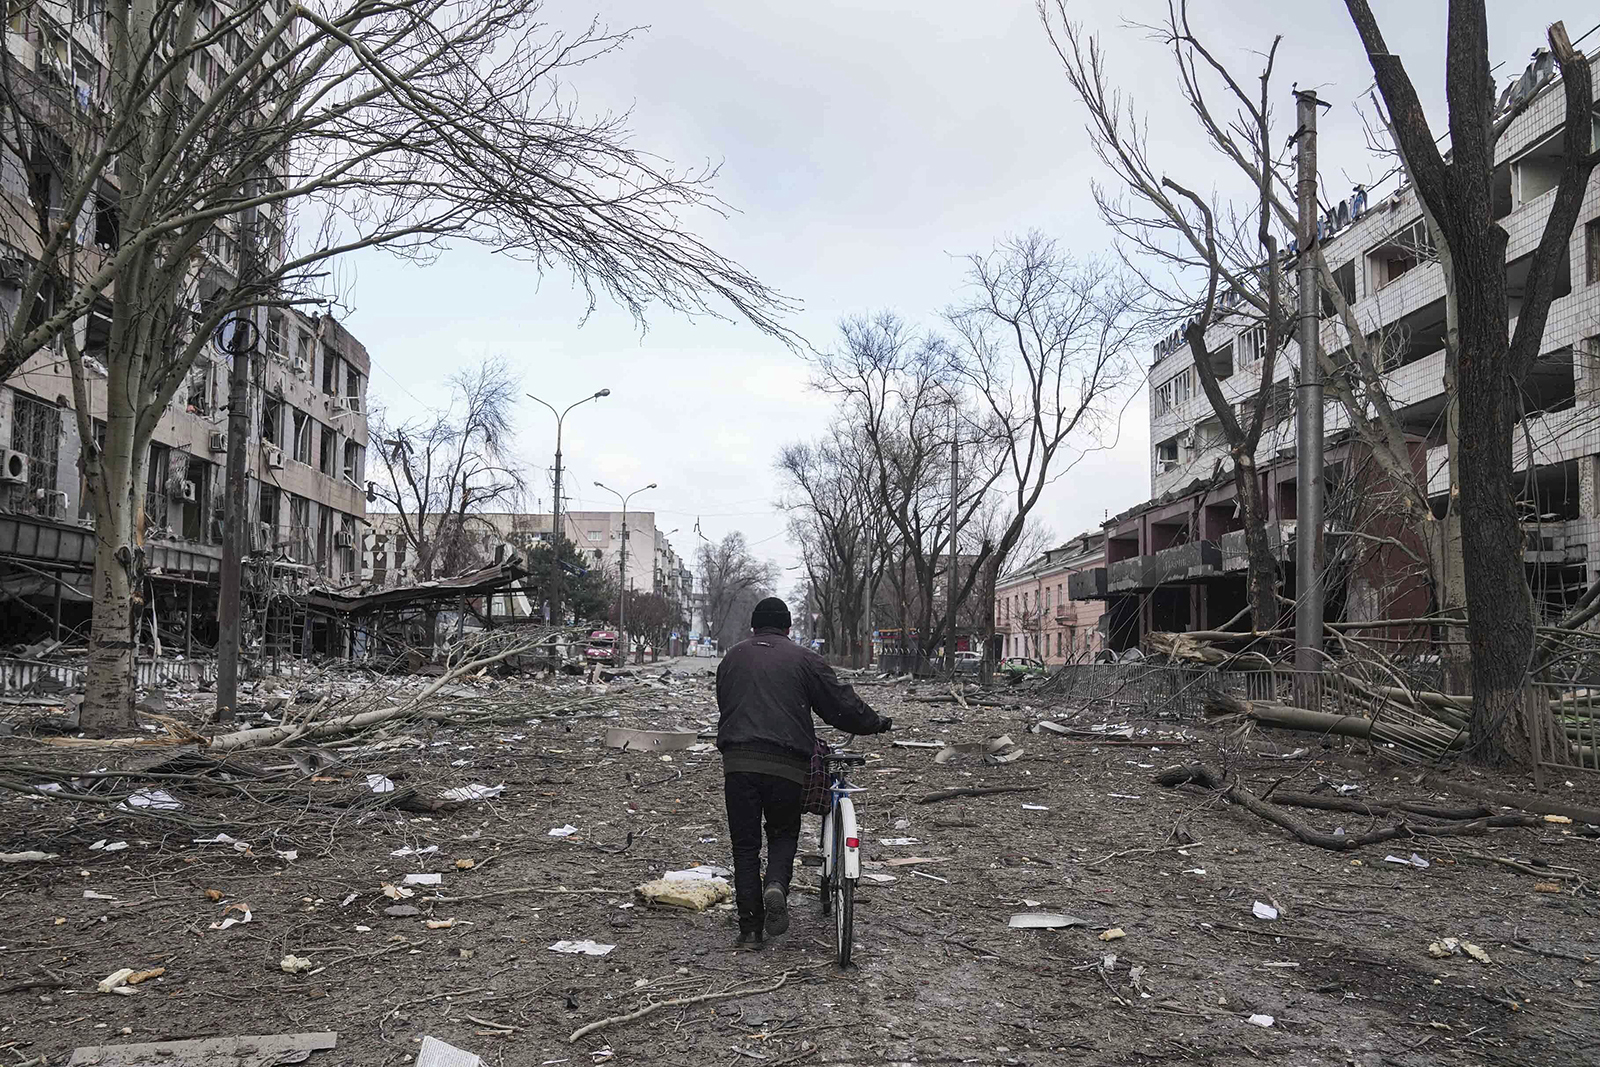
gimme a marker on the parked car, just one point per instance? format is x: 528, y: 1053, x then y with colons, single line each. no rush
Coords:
x: 604, y: 647
x: 1017, y: 668
x: 968, y: 662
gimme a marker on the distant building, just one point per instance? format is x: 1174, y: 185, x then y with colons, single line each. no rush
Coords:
x: 1034, y: 615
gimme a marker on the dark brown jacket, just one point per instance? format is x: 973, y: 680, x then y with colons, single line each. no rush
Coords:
x: 767, y: 688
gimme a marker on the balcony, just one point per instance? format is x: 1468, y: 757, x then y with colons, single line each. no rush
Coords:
x: 1087, y: 584
x: 1235, y: 554
x: 1192, y: 562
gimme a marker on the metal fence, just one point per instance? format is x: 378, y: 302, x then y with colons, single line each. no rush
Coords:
x: 1564, y: 725
x: 24, y: 675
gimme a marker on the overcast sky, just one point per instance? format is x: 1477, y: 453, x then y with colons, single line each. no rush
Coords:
x: 866, y: 145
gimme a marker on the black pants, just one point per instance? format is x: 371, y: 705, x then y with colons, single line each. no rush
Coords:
x: 749, y: 797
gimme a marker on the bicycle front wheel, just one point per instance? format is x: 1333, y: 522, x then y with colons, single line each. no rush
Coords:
x: 844, y: 918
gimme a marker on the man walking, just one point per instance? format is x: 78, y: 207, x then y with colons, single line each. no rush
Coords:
x: 767, y: 688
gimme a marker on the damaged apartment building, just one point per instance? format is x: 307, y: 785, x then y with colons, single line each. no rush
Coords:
x: 306, y: 505
x: 1178, y: 561
x: 307, y: 440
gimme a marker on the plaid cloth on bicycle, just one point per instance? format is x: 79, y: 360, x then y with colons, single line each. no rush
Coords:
x: 815, y: 798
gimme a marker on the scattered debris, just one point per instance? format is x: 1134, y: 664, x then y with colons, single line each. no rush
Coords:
x: 1451, y: 946
x: 649, y: 740
x: 699, y: 872
x: 1000, y: 750
x: 424, y: 878
x: 586, y: 948
x: 1114, y: 934
x: 259, y: 1051
x: 27, y: 857
x: 562, y: 831
x: 695, y: 894
x: 229, y: 920
x: 116, y: 980
x: 292, y: 964
x: 473, y: 792
x: 435, y: 1053
x: 1261, y: 1020
x: 1038, y: 920
x: 1263, y: 911
x: 1414, y: 861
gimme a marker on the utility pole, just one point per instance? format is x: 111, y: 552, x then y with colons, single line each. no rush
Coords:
x: 555, y: 507
x: 1308, y: 478
x: 622, y: 596
x: 950, y: 578
x: 239, y: 340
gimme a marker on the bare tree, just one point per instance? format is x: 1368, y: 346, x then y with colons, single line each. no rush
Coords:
x: 898, y: 389
x: 1489, y: 359
x: 226, y: 152
x: 846, y: 539
x: 734, y: 580
x: 442, y: 468
x: 1044, y: 352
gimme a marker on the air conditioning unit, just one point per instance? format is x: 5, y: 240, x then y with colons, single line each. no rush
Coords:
x: 219, y: 441
x: 189, y: 492
x: 343, y: 540
x: 301, y: 367
x: 274, y: 458
x: 13, y: 467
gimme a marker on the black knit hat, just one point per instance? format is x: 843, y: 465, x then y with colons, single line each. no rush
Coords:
x: 771, y: 612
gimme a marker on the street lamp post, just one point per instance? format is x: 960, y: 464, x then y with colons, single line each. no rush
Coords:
x: 555, y: 506
x: 622, y: 567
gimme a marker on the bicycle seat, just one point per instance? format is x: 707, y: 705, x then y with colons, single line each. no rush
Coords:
x: 852, y: 759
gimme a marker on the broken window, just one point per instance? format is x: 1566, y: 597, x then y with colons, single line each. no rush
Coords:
x: 196, y: 496
x: 107, y: 224
x: 274, y: 333
x: 1222, y: 361
x: 1167, y: 455
x: 1253, y: 344
x: 324, y: 535
x: 352, y: 389
x: 303, y: 352
x: 272, y: 421
x: 302, y: 436
x: 201, y: 378
x: 328, y: 452
x: 36, y: 433
x: 1407, y: 249
x: 155, y: 487
x: 353, y: 462
x: 347, y: 549
x: 330, y: 371
x: 300, y: 528
x: 267, y: 516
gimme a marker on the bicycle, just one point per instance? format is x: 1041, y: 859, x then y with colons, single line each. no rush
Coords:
x: 841, y: 852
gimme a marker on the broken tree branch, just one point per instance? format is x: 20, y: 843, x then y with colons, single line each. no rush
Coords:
x: 676, y: 1002
x: 975, y: 791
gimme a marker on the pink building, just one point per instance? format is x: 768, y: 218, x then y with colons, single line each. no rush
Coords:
x: 1034, y: 615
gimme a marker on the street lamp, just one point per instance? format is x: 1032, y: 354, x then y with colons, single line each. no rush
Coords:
x: 555, y: 510
x: 622, y: 568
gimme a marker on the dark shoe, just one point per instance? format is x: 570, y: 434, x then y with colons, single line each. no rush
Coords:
x: 776, y: 903
x: 749, y: 936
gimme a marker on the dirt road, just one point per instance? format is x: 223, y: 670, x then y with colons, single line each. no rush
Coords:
x: 1343, y: 973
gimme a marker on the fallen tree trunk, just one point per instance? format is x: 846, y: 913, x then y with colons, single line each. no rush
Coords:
x: 1359, y: 726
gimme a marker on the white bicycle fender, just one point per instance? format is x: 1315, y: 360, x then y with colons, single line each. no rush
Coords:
x: 852, y: 855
